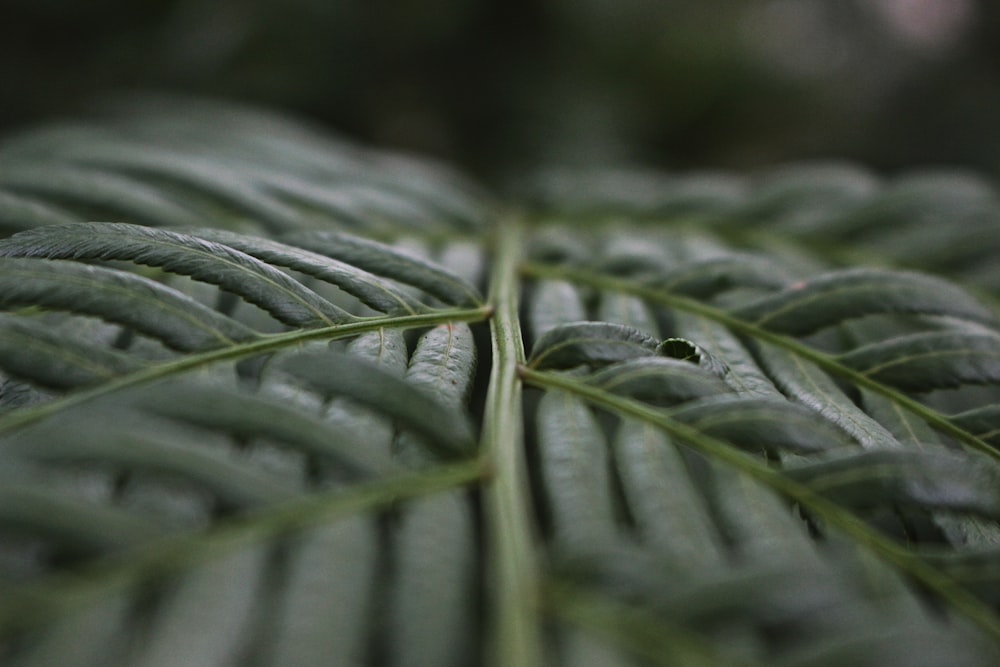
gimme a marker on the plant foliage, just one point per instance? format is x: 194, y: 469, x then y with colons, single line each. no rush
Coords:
x: 265, y: 400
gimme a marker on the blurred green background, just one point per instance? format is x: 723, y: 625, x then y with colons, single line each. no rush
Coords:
x: 495, y: 86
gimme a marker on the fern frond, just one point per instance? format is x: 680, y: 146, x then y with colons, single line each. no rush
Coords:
x: 257, y: 416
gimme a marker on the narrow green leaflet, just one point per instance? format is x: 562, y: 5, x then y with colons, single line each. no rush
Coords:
x: 91, y: 189
x: 806, y: 384
x: 31, y: 351
x: 444, y: 363
x: 800, y: 196
x: 116, y: 296
x: 327, y: 604
x: 389, y: 262
x: 434, y: 538
x: 930, y: 480
x: 369, y: 289
x: 206, y: 615
x: 554, y: 303
x: 386, y: 349
x: 670, y: 513
x: 203, y: 176
x: 590, y: 343
x: 575, y: 467
x: 226, y: 410
x: 842, y: 295
x: 927, y: 361
x: 433, y: 594
x: 628, y: 310
x: 445, y: 428
x: 707, y: 278
x: 147, y: 445
x: 18, y: 212
x: 760, y: 424
x: 232, y: 270
x: 659, y: 380
x: 74, y: 526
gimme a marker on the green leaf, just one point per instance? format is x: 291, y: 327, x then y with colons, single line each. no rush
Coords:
x: 146, y: 445
x: 71, y: 525
x: 929, y: 480
x: 206, y: 614
x: 385, y: 348
x: 234, y: 271
x: 554, y: 303
x: 590, y: 343
x: 432, y: 599
x: 574, y: 461
x: 662, y: 494
x: 842, y: 295
x: 32, y: 351
x: 659, y: 380
x: 443, y: 365
x: 18, y: 212
x: 116, y: 296
x: 369, y: 289
x: 389, y: 262
x: 707, y: 278
x: 223, y: 409
x: 760, y: 424
x: 92, y: 188
x: 627, y: 310
x: 928, y: 361
x: 209, y: 177
x: 808, y: 385
x: 730, y: 496
x: 326, y: 610
x: 444, y: 428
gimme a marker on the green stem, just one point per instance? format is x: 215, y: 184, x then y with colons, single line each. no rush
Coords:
x: 829, y: 364
x: 40, y: 601
x: 832, y: 514
x: 273, y: 343
x: 513, y: 570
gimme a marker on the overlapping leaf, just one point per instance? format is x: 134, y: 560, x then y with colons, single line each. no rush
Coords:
x: 852, y: 293
x: 186, y: 478
x: 230, y: 269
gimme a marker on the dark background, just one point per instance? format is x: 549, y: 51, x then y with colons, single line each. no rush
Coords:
x: 498, y: 85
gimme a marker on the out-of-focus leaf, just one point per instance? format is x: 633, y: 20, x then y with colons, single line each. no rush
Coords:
x: 928, y: 361
x: 232, y: 270
x: 842, y: 295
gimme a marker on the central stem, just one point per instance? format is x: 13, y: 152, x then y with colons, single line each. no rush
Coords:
x: 512, y: 568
